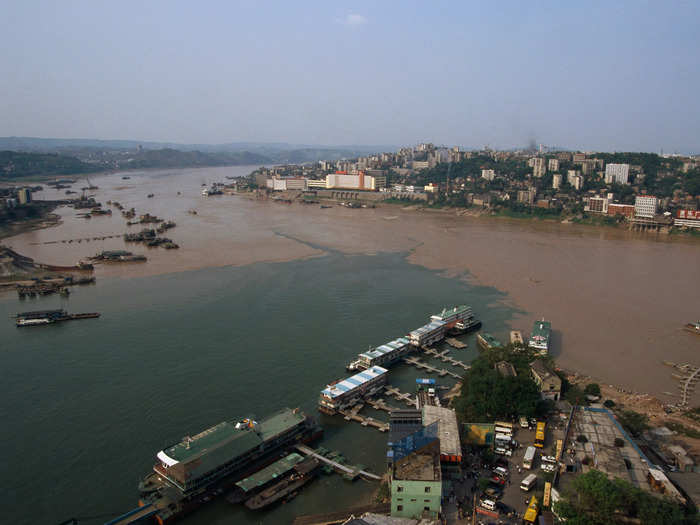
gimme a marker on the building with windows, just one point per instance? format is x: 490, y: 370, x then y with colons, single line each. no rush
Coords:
x: 385, y: 354
x: 626, y: 210
x: 428, y: 334
x: 598, y: 204
x: 687, y: 219
x: 488, y: 174
x: 548, y: 382
x: 342, y: 394
x: 556, y: 181
x: 416, y: 476
x: 645, y: 206
x: 553, y: 165
x: 617, y: 173
x: 538, y: 167
x: 24, y: 195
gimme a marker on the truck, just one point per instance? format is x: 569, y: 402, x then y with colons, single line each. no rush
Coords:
x: 529, y: 457
x: 540, y: 434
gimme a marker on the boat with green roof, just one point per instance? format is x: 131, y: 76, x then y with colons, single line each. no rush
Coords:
x: 191, y: 472
x: 488, y: 342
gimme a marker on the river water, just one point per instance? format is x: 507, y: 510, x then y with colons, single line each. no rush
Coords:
x: 265, y: 303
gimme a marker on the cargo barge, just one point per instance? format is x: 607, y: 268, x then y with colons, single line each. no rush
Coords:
x: 44, y: 317
x: 488, y: 342
x: 192, y: 472
x: 286, y: 488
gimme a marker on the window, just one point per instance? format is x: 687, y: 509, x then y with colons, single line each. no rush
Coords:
x: 399, y: 499
x: 399, y: 489
x: 427, y: 489
x: 413, y: 500
x: 426, y: 501
x: 399, y: 507
x: 426, y: 508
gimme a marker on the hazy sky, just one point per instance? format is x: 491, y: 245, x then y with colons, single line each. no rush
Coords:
x: 597, y: 75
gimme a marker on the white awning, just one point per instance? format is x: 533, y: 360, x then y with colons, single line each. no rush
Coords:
x: 163, y: 457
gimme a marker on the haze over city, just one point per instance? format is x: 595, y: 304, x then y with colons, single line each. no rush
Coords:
x: 598, y: 76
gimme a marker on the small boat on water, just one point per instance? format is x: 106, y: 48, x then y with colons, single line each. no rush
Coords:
x: 693, y: 328
x: 43, y: 317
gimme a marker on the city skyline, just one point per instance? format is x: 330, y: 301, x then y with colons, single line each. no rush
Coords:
x: 598, y: 78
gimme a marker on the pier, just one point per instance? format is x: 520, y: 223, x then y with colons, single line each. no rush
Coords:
x: 139, y: 514
x: 354, y: 415
x: 420, y: 364
x: 442, y: 356
x: 687, y: 381
x: 379, y: 404
x: 396, y: 393
x: 351, y: 472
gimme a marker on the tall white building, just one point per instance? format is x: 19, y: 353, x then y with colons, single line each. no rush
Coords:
x: 553, y: 165
x: 556, y: 180
x: 645, y: 206
x: 538, y: 167
x: 618, y: 173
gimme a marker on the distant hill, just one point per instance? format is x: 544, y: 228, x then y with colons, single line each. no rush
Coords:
x: 277, y: 152
x: 22, y: 164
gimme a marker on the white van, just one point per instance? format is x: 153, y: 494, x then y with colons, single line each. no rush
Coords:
x: 503, y: 451
x: 487, y: 504
x: 501, y: 472
x: 529, y: 482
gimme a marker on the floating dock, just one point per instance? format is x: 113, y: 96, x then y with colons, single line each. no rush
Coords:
x: 455, y: 343
x: 441, y: 372
x: 400, y: 396
x: 444, y: 357
x: 354, y: 415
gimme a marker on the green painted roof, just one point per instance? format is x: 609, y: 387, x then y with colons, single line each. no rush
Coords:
x: 491, y: 341
x: 541, y: 329
x: 278, y: 468
x: 278, y: 423
x: 224, y: 434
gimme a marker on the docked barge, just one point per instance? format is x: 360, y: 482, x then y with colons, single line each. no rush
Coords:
x: 44, y: 317
x: 192, y: 472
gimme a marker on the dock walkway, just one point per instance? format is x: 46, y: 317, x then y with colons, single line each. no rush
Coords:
x: 400, y: 396
x: 365, y: 421
x: 134, y: 516
x: 420, y: 364
x: 349, y: 471
x: 442, y: 356
x: 455, y: 343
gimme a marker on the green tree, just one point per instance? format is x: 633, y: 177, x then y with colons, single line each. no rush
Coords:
x: 592, y: 389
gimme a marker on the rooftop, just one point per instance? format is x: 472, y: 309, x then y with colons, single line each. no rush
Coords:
x: 353, y: 382
x: 278, y: 468
x: 457, y: 310
x: 506, y: 369
x: 236, y: 440
x: 391, y: 346
x: 422, y: 465
x: 540, y: 331
x: 432, y: 325
x: 448, y: 430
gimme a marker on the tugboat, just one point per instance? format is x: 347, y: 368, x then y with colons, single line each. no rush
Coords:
x: 693, y: 328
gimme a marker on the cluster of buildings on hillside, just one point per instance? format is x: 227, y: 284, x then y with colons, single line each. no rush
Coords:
x: 557, y: 180
x: 12, y: 197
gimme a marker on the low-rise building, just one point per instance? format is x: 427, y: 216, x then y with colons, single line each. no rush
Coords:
x: 488, y: 174
x: 506, y: 369
x: 548, y: 382
x: 416, y: 476
x: 687, y: 218
x: 626, y: 210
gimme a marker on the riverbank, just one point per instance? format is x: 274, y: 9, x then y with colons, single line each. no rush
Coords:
x: 47, y: 219
x: 614, y: 297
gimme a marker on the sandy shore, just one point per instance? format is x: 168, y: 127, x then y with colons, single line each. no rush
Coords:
x: 617, y: 299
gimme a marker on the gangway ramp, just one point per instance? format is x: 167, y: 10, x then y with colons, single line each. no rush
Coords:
x: 138, y: 515
x: 349, y: 471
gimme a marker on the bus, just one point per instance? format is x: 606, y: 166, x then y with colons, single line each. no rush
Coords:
x: 529, y: 482
x: 547, y: 495
x: 539, y: 434
x: 529, y: 457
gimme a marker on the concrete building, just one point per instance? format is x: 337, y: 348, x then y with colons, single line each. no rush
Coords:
x: 598, y: 205
x: 617, y: 173
x: 360, y: 181
x: 579, y: 157
x: 548, y: 382
x: 24, y: 196
x: 574, y: 178
x: 506, y: 369
x: 420, y: 164
x: 627, y: 210
x: 553, y: 165
x: 556, y: 180
x: 527, y: 196
x: 687, y: 219
x: 416, y: 476
x: 488, y: 174
x: 645, y: 206
x: 538, y: 167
